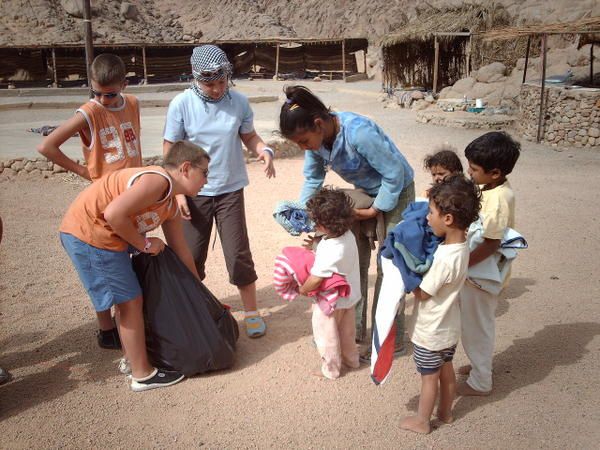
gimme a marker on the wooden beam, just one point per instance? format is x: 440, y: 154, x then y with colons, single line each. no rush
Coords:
x: 526, y: 58
x: 54, y: 72
x: 277, y: 62
x: 469, y: 47
x: 344, y: 59
x: 436, y: 46
x: 541, y: 115
x: 592, y: 64
x: 144, y: 65
x: 89, y: 40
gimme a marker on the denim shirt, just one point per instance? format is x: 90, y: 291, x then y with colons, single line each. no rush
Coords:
x: 364, y: 156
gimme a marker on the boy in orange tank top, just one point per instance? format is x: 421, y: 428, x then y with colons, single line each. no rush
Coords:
x: 112, y: 215
x: 109, y: 128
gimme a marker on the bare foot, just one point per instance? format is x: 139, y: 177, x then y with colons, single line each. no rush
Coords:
x: 446, y: 418
x: 467, y: 391
x: 464, y: 370
x: 414, y: 423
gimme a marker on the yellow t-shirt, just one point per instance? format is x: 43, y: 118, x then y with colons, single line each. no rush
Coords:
x: 435, y: 322
x: 497, y: 210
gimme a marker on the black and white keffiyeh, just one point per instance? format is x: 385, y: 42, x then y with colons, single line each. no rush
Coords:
x: 209, y: 63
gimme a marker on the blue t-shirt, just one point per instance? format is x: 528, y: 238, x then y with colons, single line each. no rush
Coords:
x: 363, y: 155
x: 216, y: 128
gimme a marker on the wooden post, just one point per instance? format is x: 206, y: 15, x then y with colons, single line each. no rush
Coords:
x: 54, y: 72
x: 365, y: 60
x: 526, y: 57
x: 436, y: 45
x: 541, y: 115
x: 277, y: 62
x: 469, y: 44
x: 592, y: 64
x: 89, y: 44
x: 144, y: 65
x: 344, y: 59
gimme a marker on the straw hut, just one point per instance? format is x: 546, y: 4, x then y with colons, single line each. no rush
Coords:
x: 409, y: 56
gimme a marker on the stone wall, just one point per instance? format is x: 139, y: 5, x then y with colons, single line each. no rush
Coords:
x: 41, y: 167
x: 571, y: 116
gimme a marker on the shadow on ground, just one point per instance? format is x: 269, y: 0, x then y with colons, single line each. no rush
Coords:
x: 529, y: 361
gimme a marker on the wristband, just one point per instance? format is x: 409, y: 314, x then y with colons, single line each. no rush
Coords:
x: 270, y: 151
x: 147, y: 244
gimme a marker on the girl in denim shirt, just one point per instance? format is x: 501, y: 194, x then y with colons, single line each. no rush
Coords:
x: 360, y: 152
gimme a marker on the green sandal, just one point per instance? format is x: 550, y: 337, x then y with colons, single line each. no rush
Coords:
x: 255, y: 326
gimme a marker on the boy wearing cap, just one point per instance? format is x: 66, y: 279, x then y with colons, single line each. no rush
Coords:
x: 219, y: 120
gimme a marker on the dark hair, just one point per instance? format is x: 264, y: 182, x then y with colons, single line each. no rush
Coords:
x: 458, y: 196
x: 494, y: 150
x: 332, y: 209
x: 446, y: 157
x: 299, y: 111
x: 182, y: 151
x: 108, y: 69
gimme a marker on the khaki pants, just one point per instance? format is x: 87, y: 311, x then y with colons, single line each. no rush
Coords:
x: 391, y: 219
x: 335, y: 339
x: 478, y: 328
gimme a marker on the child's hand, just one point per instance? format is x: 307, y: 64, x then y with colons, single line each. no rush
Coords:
x: 83, y: 172
x: 310, y: 241
x: 156, y: 246
x: 183, y: 207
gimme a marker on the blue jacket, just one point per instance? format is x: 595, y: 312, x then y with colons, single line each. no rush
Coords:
x: 364, y: 156
x: 411, y: 245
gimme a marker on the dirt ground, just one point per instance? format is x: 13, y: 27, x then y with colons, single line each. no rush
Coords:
x: 67, y: 392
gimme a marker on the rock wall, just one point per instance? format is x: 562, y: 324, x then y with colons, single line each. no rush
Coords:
x: 571, y: 119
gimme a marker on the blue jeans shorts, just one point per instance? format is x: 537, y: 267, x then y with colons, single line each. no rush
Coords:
x: 106, y: 275
x: 430, y: 361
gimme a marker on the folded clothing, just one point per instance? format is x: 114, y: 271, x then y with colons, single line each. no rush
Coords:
x: 292, y: 269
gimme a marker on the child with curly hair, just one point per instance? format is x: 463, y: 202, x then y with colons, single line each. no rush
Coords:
x: 336, y: 253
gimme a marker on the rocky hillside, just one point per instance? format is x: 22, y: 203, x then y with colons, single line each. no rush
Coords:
x: 28, y: 22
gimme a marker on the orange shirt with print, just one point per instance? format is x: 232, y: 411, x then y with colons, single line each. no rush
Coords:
x: 115, y: 136
x: 85, y: 217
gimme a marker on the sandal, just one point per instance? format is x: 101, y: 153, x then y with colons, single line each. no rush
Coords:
x: 255, y: 326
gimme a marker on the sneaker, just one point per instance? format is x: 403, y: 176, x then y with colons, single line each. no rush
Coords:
x: 109, y: 339
x: 124, y: 366
x: 157, y: 379
x: 5, y: 376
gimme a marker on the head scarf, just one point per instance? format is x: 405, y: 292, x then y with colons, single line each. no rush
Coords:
x: 209, y: 63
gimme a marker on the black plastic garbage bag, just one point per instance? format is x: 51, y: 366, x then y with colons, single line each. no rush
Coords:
x: 187, y: 328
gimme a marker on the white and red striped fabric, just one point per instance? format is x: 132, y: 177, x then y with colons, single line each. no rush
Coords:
x: 292, y: 269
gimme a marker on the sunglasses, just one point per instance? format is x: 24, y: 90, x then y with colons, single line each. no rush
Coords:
x: 102, y: 94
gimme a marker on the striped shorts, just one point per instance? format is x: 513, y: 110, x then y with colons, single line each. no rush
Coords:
x: 430, y: 361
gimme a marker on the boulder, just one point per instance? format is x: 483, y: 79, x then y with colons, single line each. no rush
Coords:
x: 464, y: 85
x: 75, y: 8
x: 129, y: 11
x: 486, y: 72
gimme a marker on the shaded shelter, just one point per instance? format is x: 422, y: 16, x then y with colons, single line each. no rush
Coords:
x: 65, y: 64
x: 435, y: 50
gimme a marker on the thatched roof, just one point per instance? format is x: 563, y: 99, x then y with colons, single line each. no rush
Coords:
x: 467, y: 18
x: 588, y: 25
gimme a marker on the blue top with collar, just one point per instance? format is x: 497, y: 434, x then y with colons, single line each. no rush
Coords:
x: 363, y: 155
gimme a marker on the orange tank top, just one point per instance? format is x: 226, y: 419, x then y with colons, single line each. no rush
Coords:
x: 115, y: 136
x: 85, y: 217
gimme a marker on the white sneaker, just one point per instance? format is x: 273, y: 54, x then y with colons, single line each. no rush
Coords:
x: 124, y: 366
x: 157, y: 379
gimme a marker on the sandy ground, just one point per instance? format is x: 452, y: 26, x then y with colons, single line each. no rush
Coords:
x: 67, y: 392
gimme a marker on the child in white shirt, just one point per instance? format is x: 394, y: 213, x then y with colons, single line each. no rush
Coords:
x: 453, y: 204
x: 336, y: 253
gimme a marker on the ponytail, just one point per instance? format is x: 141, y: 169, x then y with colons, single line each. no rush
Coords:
x: 300, y: 110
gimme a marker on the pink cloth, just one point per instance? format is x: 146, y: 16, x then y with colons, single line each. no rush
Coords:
x: 292, y: 269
